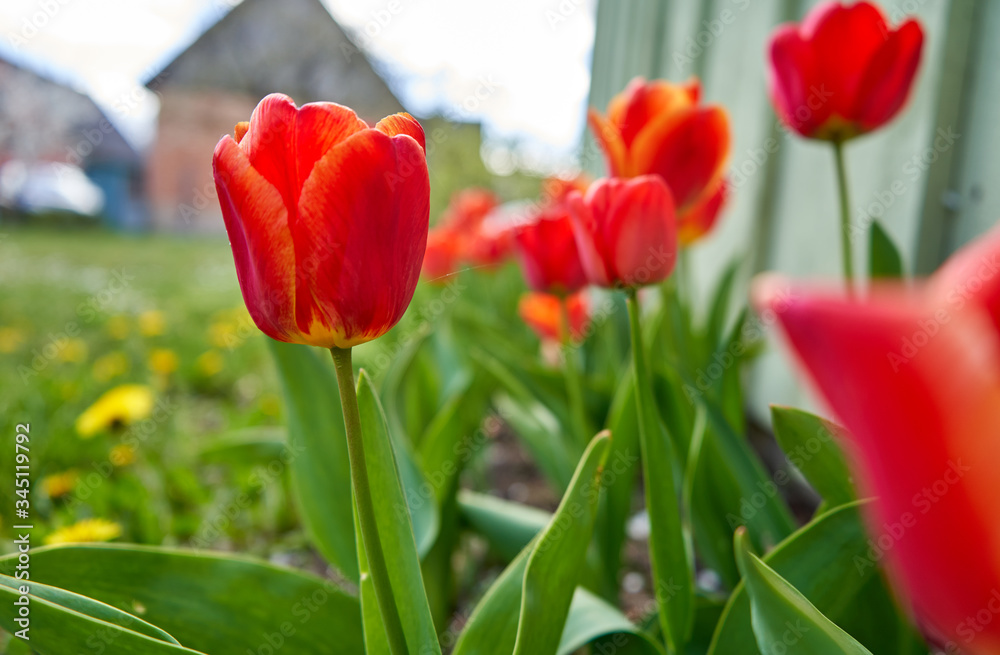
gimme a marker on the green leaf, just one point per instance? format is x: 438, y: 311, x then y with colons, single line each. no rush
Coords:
x: 593, y: 620
x: 828, y: 562
x: 716, y: 325
x: 810, y: 443
x: 506, y: 525
x: 209, y: 602
x: 541, y: 433
x: 526, y: 607
x: 62, y: 623
x: 885, y: 261
x: 784, y: 621
x: 555, y: 563
x: 87, y: 606
x: 395, y: 528
x: 321, y: 472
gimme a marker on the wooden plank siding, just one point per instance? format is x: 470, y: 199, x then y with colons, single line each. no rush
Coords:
x: 931, y: 177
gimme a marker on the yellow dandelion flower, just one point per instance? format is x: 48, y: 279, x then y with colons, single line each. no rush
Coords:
x: 222, y: 334
x: 122, y: 455
x: 10, y: 339
x: 60, y: 484
x: 110, y: 366
x: 120, y: 406
x: 87, y: 530
x: 209, y: 363
x: 75, y: 351
x: 152, y: 323
x: 163, y: 361
x: 118, y: 326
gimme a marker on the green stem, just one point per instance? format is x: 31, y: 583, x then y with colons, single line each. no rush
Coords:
x: 573, y: 376
x: 845, y: 216
x: 366, y: 508
x: 672, y: 573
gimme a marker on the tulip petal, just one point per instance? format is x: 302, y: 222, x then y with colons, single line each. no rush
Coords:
x: 280, y: 134
x: 257, y: 224
x: 402, y: 123
x: 645, y: 101
x: 640, y: 226
x: 360, y: 237
x: 972, y: 275
x: 793, y: 79
x: 610, y: 140
x: 844, y: 40
x: 917, y: 385
x: 699, y: 218
x: 889, y: 76
x: 586, y: 230
x: 687, y: 149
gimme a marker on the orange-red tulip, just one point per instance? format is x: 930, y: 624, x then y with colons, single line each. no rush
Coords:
x: 626, y: 231
x: 546, y: 250
x: 327, y: 219
x: 660, y: 128
x: 467, y: 235
x: 843, y: 71
x: 548, y: 315
x: 915, y: 377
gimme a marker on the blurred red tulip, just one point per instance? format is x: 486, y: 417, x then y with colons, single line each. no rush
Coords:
x: 327, y: 219
x: 915, y: 377
x: 467, y: 235
x: 547, y: 316
x: 843, y: 71
x: 626, y: 231
x: 659, y: 128
x: 546, y: 250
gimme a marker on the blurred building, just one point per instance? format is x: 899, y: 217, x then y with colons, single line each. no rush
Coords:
x: 261, y: 46
x: 51, y: 134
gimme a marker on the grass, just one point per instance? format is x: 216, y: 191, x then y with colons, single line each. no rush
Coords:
x: 78, y: 316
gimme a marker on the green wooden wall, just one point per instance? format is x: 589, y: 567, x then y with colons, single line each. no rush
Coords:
x: 932, y: 193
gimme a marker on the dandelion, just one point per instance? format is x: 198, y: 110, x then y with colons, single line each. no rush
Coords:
x: 110, y: 366
x: 163, y: 361
x: 209, y: 363
x: 74, y: 351
x: 152, y: 323
x: 85, y: 531
x: 60, y: 484
x: 10, y: 339
x: 222, y: 334
x: 122, y: 455
x: 118, y: 407
x: 118, y: 326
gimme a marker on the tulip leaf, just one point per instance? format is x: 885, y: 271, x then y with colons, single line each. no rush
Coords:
x: 540, y: 432
x: 392, y: 516
x: 61, y: 622
x: 784, y: 621
x: 321, y: 472
x: 829, y: 562
x: 209, y: 602
x: 556, y: 561
x: 78, y: 604
x: 885, y: 261
x: 506, y: 525
x: 810, y: 444
x: 526, y: 608
x: 592, y: 620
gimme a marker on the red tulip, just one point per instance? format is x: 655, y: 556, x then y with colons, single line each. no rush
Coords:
x: 843, y: 71
x: 625, y: 231
x: 547, y: 315
x: 327, y: 219
x: 547, y: 252
x: 915, y: 377
x: 659, y: 128
x: 442, y: 256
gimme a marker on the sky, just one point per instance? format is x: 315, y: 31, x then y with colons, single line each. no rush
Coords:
x: 522, y: 67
